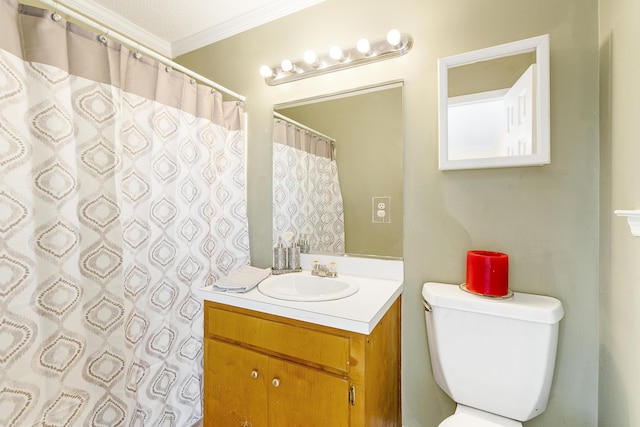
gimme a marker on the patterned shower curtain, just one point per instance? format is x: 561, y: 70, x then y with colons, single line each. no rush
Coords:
x: 306, y: 189
x: 122, y: 190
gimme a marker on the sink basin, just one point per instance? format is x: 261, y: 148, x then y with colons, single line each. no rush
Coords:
x: 300, y: 287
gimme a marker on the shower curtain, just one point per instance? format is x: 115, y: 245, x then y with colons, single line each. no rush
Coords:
x: 122, y: 190
x: 306, y: 190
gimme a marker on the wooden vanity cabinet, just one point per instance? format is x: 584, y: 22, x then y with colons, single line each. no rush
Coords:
x: 269, y: 371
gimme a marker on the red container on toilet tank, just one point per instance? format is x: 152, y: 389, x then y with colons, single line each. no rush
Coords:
x: 488, y: 273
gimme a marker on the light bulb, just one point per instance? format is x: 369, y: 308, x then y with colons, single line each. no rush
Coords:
x: 394, y: 38
x: 266, y: 71
x: 363, y: 46
x: 310, y: 57
x: 286, y: 65
x: 336, y: 53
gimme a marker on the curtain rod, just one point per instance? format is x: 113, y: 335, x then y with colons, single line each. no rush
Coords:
x: 59, y: 7
x: 300, y: 125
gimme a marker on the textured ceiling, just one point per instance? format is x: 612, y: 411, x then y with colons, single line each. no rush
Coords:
x: 175, y: 27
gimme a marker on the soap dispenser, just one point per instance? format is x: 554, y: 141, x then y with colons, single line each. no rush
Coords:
x: 279, y: 256
x: 293, y: 256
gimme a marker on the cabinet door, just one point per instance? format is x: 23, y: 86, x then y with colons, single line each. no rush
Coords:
x: 306, y: 397
x: 235, y: 386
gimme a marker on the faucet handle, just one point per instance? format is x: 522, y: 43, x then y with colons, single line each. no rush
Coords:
x: 323, y: 270
x: 333, y: 270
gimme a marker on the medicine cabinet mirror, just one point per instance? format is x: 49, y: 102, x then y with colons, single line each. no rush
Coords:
x: 493, y: 106
x: 367, y: 126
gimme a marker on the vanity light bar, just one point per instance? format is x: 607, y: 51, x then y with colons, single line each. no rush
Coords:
x: 365, y: 52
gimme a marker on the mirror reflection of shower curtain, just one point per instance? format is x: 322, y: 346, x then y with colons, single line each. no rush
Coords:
x: 306, y: 190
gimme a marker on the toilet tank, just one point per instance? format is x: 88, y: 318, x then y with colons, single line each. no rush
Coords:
x: 496, y: 355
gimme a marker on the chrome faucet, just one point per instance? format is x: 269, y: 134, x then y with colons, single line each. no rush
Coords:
x: 322, y: 270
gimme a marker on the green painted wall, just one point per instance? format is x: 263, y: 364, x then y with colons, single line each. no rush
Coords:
x: 545, y: 218
x: 619, y: 189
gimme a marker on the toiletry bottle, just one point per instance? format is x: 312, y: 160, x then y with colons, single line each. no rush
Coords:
x: 293, y: 253
x: 279, y: 256
x: 304, y: 244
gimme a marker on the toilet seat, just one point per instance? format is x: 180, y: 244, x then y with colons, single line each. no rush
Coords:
x: 466, y: 416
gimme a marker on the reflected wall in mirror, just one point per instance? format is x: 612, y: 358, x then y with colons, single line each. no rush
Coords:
x: 366, y: 125
x: 493, y: 106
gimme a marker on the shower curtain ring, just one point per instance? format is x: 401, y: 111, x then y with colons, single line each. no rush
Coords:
x: 137, y: 53
x: 55, y: 16
x: 102, y: 38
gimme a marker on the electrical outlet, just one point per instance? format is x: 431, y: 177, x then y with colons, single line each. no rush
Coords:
x: 381, y: 209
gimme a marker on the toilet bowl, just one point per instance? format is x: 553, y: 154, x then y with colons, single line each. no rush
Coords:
x: 494, y: 357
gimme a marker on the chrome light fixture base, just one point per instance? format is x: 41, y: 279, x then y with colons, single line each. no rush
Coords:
x: 379, y: 50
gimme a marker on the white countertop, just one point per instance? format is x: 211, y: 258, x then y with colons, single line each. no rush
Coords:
x: 359, y: 313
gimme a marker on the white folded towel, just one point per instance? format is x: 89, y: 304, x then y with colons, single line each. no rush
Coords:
x: 242, y: 280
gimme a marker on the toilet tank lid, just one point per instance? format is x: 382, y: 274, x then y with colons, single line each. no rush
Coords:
x: 528, y: 307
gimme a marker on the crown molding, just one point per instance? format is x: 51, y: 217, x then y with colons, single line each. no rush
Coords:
x: 247, y: 21
x: 122, y: 25
x: 262, y: 15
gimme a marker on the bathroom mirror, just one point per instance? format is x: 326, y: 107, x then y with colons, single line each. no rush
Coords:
x: 493, y: 106
x: 366, y: 124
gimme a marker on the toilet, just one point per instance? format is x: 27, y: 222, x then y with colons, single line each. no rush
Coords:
x: 494, y: 357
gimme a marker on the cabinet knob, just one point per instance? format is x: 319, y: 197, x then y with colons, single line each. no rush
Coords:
x: 254, y: 374
x: 276, y: 382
